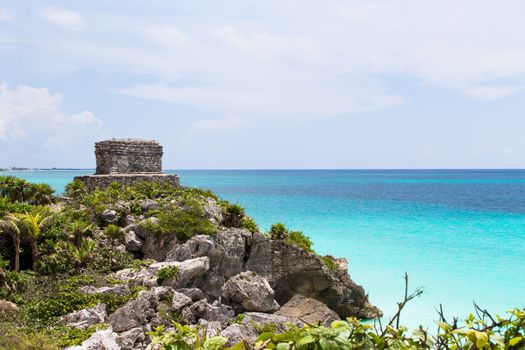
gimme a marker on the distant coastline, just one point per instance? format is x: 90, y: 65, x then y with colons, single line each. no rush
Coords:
x: 17, y: 169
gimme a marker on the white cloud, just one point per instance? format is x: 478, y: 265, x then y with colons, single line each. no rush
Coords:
x: 62, y: 17
x: 32, y: 120
x: 5, y: 15
x: 491, y: 92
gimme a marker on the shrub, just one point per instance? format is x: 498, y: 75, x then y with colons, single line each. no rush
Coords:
x: 299, y: 239
x: 166, y: 273
x: 233, y: 215
x: 184, y: 223
x: 113, y: 231
x: 75, y: 188
x: 278, y: 231
x: 329, y: 262
x: 249, y: 224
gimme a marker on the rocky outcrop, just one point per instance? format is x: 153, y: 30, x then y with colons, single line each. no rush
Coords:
x: 140, y: 311
x: 291, y: 270
x: 188, y: 271
x: 248, y: 291
x: 84, y: 318
x: 301, y: 309
x: 121, y: 289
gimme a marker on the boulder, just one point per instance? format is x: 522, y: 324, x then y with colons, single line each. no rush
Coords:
x: 212, y: 312
x: 180, y: 301
x: 148, y: 204
x: 303, y: 309
x: 7, y: 306
x: 195, y: 294
x: 109, y: 216
x: 248, y: 291
x: 260, y: 318
x: 236, y: 333
x: 291, y: 270
x: 84, y: 318
x: 132, y: 241
x: 226, y: 252
x: 132, y: 340
x: 213, y: 211
x: 100, y: 340
x: 156, y: 246
x: 120, y: 289
x: 139, y: 311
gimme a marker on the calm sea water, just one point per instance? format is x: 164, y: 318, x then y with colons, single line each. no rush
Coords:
x: 460, y: 234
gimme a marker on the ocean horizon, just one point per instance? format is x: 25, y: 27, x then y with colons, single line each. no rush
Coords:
x: 458, y: 233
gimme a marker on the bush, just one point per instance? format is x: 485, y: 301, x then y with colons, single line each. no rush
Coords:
x: 113, y: 231
x: 329, y: 262
x: 75, y: 188
x: 184, y: 223
x: 278, y: 231
x: 299, y: 239
x: 233, y: 215
x: 166, y: 273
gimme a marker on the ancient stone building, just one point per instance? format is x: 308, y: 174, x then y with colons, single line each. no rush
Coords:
x: 128, y: 156
x: 127, y: 161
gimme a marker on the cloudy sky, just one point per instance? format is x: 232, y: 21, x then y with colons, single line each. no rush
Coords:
x: 266, y: 84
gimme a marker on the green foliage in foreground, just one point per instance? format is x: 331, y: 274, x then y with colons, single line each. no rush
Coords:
x: 477, y: 333
x: 22, y: 191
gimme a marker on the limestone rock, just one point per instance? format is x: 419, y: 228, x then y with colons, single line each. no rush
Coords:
x: 100, y: 340
x: 308, y: 310
x: 109, y: 216
x: 236, y: 333
x: 291, y: 270
x: 249, y: 292
x: 187, y: 271
x: 84, y: 318
x: 213, y: 211
x: 180, y: 300
x: 121, y: 289
x: 7, y: 306
x: 195, y: 294
x: 148, y: 204
x: 132, y: 340
x: 212, y: 312
x: 133, y: 241
x: 139, y: 311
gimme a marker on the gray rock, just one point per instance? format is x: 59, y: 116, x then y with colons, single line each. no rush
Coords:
x: 133, y: 241
x: 135, y: 313
x: 303, y: 309
x: 84, y: 318
x: 147, y: 204
x: 210, y: 329
x: 212, y: 312
x: 291, y: 270
x: 236, y: 333
x: 249, y: 292
x: 7, y: 306
x: 121, y: 289
x: 100, y: 340
x: 180, y: 301
x: 132, y: 340
x: 226, y: 252
x: 109, y: 216
x: 147, y: 276
x: 156, y: 246
x: 195, y: 294
x: 213, y: 211
x: 260, y: 318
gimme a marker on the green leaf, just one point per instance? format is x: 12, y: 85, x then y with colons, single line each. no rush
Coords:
x: 305, y: 340
x: 515, y: 340
x: 482, y: 339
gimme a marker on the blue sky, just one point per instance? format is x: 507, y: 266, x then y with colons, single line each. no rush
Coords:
x: 266, y: 84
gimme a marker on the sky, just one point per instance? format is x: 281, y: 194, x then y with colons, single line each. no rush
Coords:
x: 265, y: 84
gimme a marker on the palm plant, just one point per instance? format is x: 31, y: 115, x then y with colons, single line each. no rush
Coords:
x: 83, y: 254
x: 33, y: 224
x: 12, y: 224
x: 79, y: 229
x: 40, y: 194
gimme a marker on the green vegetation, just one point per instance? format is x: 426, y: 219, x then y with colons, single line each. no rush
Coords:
x: 279, y: 231
x: 22, y: 191
x: 114, y: 232
x: 166, y: 273
x: 329, y: 262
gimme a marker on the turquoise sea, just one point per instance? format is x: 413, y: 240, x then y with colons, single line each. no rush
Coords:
x: 460, y: 234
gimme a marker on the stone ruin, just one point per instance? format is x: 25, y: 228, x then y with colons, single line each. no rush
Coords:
x: 127, y: 161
